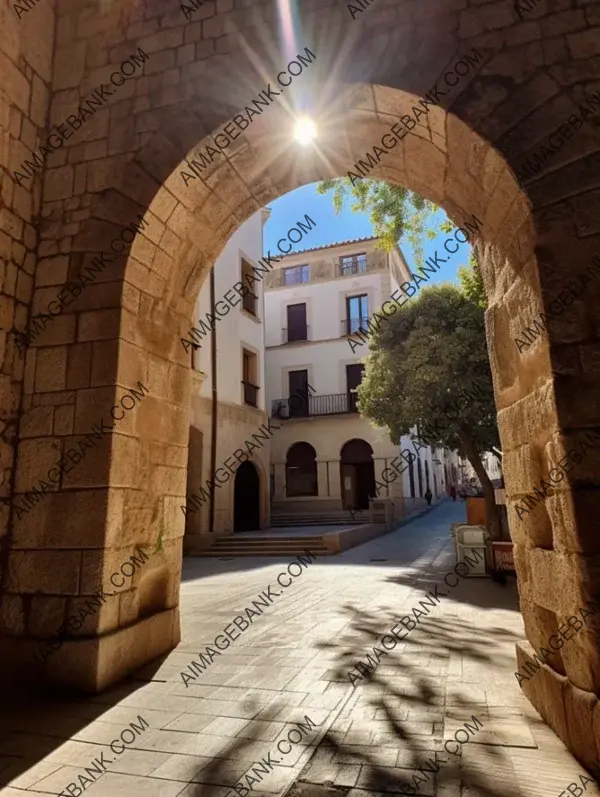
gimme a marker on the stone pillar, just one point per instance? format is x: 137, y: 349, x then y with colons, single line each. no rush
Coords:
x: 324, y: 485
x: 96, y: 557
x: 335, y: 485
x: 279, y: 481
x: 379, y: 465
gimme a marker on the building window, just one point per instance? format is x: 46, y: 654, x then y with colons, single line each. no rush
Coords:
x: 250, y: 300
x: 250, y: 377
x: 353, y: 264
x: 295, y: 275
x: 296, y: 323
x: 298, y: 390
x: 354, y: 375
x: 357, y: 313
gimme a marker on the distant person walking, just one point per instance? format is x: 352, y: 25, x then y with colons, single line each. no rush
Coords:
x: 428, y: 496
x: 453, y: 491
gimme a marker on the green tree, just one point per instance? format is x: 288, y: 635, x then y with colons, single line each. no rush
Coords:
x: 428, y: 367
x: 471, y: 283
x: 393, y: 210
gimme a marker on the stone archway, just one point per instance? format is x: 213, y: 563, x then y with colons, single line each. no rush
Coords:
x: 301, y: 477
x: 357, y: 474
x: 367, y: 80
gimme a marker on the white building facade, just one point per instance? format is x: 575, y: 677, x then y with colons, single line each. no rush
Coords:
x: 326, y: 459
x: 227, y: 437
x: 492, y: 466
x: 274, y: 427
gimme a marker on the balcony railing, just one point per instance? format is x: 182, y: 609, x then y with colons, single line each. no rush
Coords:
x: 250, y: 394
x: 358, y: 266
x: 350, y: 326
x: 332, y: 404
x: 295, y: 334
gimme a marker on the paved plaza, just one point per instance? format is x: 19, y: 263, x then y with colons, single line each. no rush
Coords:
x: 289, y: 670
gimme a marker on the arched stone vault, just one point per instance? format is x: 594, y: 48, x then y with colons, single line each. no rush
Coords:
x: 127, y: 327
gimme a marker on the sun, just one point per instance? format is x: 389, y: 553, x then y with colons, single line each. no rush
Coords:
x: 305, y: 131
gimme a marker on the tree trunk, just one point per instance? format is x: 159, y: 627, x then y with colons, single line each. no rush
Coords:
x: 491, y: 510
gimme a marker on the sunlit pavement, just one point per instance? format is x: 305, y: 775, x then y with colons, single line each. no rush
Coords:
x: 291, y: 663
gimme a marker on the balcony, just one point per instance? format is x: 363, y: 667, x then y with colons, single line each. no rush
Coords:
x: 332, y: 404
x: 295, y: 334
x: 349, y: 266
x: 350, y: 326
x: 250, y: 394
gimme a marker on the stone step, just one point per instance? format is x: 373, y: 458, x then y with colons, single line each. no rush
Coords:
x: 271, y: 551
x: 319, y: 520
x: 269, y: 545
x: 266, y: 543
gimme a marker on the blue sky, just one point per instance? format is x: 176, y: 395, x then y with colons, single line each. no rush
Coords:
x: 330, y: 228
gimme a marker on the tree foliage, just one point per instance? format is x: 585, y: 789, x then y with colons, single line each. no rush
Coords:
x: 428, y: 365
x: 471, y: 282
x: 422, y: 360
x: 428, y: 368
x: 393, y: 210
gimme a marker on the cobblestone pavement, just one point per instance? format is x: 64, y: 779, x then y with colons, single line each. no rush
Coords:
x: 289, y: 670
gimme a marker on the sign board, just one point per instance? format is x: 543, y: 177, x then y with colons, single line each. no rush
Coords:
x: 503, y: 555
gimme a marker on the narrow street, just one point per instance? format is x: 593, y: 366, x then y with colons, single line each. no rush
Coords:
x: 291, y: 666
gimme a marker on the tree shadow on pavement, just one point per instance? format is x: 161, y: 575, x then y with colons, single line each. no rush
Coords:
x: 383, y: 730
x: 395, y: 721
x: 403, y: 709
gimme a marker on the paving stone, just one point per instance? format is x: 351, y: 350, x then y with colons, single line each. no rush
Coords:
x: 302, y: 789
x: 355, y: 754
x: 225, y: 708
x: 387, y: 779
x: 181, y: 767
x: 319, y: 771
x: 220, y: 726
x: 348, y: 775
x: 24, y: 773
x: 222, y: 771
x: 139, y: 762
x: 261, y: 730
x: 61, y: 778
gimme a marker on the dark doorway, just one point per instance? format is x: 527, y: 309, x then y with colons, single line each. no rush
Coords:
x: 296, y: 322
x: 299, y: 393
x: 354, y: 375
x: 246, y: 498
x: 357, y: 473
x: 301, y: 471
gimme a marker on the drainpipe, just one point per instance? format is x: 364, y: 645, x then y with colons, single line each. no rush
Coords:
x: 213, y: 434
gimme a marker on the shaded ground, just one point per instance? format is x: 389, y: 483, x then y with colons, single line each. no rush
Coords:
x: 293, y: 662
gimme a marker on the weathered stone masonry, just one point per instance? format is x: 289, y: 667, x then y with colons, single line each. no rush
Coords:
x: 538, y: 67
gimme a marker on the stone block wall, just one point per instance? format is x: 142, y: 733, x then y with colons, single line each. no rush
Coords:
x: 469, y: 155
x: 26, y: 49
